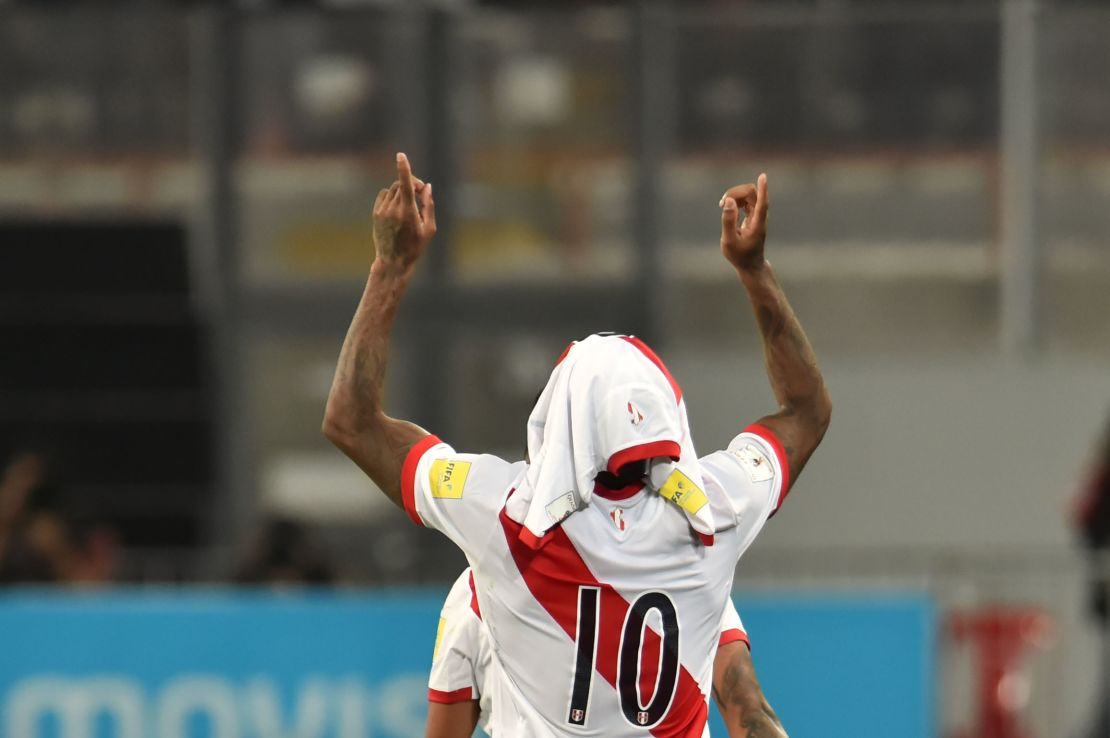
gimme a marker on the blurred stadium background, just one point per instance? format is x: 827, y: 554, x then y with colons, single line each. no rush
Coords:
x: 184, y: 196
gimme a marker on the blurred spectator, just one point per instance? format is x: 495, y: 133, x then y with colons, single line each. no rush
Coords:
x: 43, y: 537
x: 1094, y: 524
x: 285, y: 552
x: 29, y: 550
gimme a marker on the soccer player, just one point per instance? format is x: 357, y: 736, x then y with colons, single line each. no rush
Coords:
x: 602, y: 604
x: 459, y: 701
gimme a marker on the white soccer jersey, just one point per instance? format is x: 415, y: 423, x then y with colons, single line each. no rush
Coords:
x: 461, y: 660
x: 610, y: 628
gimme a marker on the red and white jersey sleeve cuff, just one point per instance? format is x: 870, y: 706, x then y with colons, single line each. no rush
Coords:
x: 766, y: 435
x: 465, y: 694
x: 409, y: 482
x: 732, y: 635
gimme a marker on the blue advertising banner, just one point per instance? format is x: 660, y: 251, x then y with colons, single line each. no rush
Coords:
x: 822, y: 657
x: 228, y: 664
x: 215, y: 665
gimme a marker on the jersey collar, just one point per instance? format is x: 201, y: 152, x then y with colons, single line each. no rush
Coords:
x: 617, y: 494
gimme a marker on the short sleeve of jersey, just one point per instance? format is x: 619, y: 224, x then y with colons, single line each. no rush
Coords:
x: 732, y: 628
x: 459, y: 495
x: 454, y: 676
x: 752, y: 473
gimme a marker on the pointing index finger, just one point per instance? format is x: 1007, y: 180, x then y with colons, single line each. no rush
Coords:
x: 404, y: 176
x: 761, y: 199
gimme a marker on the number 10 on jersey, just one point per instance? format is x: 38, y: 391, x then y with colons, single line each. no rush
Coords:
x: 629, y: 659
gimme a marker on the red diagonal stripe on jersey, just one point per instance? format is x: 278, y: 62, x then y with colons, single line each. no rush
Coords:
x: 553, y: 575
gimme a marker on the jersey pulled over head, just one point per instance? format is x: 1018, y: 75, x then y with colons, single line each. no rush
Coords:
x: 610, y: 402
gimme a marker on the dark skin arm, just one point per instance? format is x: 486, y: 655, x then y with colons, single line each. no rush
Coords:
x: 739, y: 697
x: 457, y: 720
x: 355, y: 419
x: 805, y: 407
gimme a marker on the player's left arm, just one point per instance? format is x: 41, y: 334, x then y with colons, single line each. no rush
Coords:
x: 745, y: 709
x: 805, y: 407
x: 454, y: 720
x: 355, y: 419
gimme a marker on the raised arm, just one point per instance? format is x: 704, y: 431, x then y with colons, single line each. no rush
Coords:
x: 804, y: 404
x: 745, y: 709
x: 355, y: 418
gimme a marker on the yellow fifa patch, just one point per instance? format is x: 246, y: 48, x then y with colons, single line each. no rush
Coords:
x: 439, y: 637
x: 682, y: 491
x: 448, y: 478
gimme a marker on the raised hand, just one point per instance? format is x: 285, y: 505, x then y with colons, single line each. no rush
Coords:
x: 402, y: 229
x: 742, y: 242
x: 804, y: 404
x: 355, y: 419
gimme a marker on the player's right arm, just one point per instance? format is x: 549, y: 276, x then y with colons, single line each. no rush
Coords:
x: 740, y: 699
x: 355, y: 419
x: 804, y: 403
x: 745, y: 709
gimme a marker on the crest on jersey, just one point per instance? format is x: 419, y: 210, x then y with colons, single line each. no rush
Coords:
x: 642, y: 718
x: 617, y: 516
x: 577, y: 716
x: 635, y: 414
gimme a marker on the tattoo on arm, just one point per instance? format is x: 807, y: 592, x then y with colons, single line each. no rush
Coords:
x: 355, y: 419
x: 739, y: 697
x: 795, y: 378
